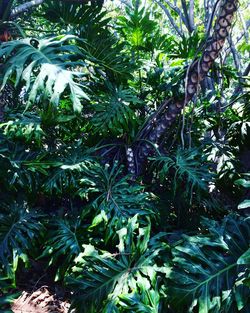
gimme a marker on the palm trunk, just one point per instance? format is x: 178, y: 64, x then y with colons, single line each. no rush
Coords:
x: 197, y: 71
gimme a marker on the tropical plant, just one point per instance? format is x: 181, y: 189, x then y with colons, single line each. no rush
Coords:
x: 125, y: 278
x: 116, y: 199
x: 124, y: 147
x: 44, y: 58
x: 245, y: 183
x: 115, y: 112
x: 190, y: 174
x: 210, y: 270
x: 18, y: 232
x: 64, y: 239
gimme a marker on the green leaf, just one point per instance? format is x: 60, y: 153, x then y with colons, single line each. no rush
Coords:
x: 114, y: 111
x: 245, y: 258
x: 63, y: 244
x: 244, y: 205
x: 188, y: 168
x: 115, y: 196
x: 19, y: 229
x: 44, y: 67
x: 100, y: 275
x: 243, y: 182
x: 206, y: 275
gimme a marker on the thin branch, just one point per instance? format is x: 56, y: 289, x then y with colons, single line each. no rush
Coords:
x: 30, y: 4
x: 235, y: 55
x: 187, y: 19
x: 25, y: 6
x: 245, y: 26
x: 191, y: 14
x: 237, y: 40
x: 247, y: 70
x: 178, y: 11
x: 239, y: 89
x: 171, y: 20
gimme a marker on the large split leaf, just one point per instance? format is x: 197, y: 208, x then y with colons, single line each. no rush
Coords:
x: 45, y: 66
x: 116, y: 200
x: 209, y: 270
x: 19, y: 229
x: 112, y: 279
x: 63, y: 244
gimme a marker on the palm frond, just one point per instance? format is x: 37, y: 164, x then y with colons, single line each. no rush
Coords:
x: 101, y: 48
x: 104, y: 52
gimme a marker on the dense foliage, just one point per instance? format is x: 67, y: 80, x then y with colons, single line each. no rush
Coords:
x: 124, y: 153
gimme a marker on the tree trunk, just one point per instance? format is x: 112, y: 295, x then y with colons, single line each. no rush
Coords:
x: 159, y: 125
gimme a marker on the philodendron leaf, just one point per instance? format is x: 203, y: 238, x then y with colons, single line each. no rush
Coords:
x: 18, y: 232
x: 243, y: 182
x: 247, y: 281
x: 244, y: 205
x: 110, y: 280
x: 245, y: 258
x: 209, y: 271
x: 45, y: 67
